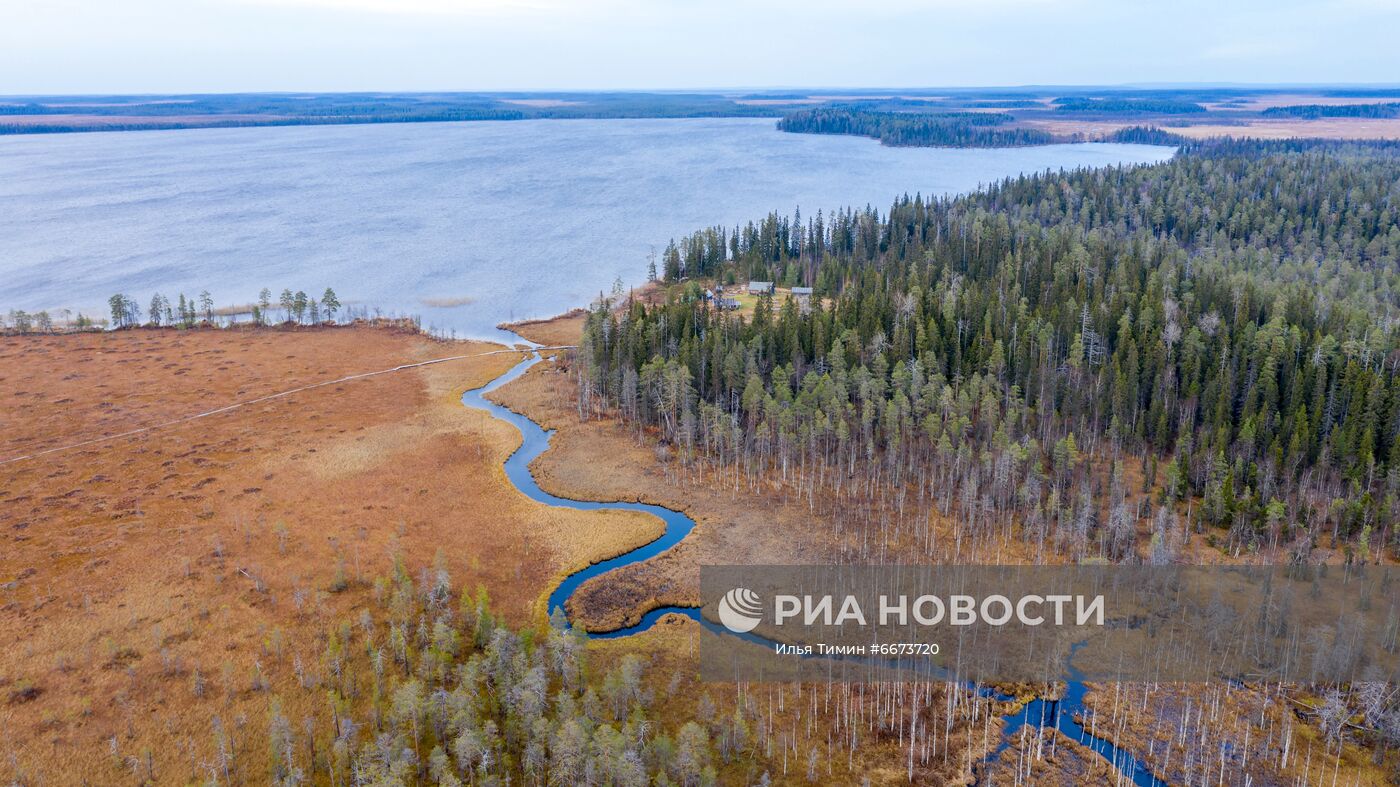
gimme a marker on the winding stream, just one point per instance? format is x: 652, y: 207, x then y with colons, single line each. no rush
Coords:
x: 535, y: 442
x: 1040, y: 712
x: 1059, y: 714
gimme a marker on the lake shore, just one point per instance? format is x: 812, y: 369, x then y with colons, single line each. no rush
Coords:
x: 464, y: 224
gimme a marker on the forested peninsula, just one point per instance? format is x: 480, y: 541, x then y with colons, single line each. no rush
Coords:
x: 1219, y: 330
x: 954, y: 129
x: 948, y: 129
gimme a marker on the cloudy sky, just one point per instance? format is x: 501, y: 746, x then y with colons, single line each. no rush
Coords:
x: 110, y: 46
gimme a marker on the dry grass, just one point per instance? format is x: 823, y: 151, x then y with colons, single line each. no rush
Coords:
x: 1048, y: 756
x: 225, y: 547
x: 1270, y: 100
x: 1328, y: 128
x: 1257, y: 128
x: 560, y: 331
x: 215, y: 551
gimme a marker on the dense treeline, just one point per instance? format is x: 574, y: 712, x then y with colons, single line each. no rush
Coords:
x: 58, y: 114
x: 1145, y: 135
x: 949, y: 129
x: 58, y: 126
x: 295, y: 307
x: 1005, y: 103
x: 1164, y: 106
x: 1315, y: 111
x: 1226, y: 322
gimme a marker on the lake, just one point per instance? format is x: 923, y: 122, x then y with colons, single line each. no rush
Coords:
x: 466, y: 224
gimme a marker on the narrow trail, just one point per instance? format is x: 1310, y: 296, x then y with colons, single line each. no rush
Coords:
x: 261, y: 399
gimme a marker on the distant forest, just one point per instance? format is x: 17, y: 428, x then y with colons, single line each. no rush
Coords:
x: 1222, y: 330
x: 85, y: 113
x: 1314, y: 111
x: 1153, y: 105
x: 901, y: 117
x: 953, y: 129
x: 1145, y: 135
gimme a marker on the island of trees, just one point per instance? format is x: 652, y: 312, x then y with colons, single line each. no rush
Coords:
x: 947, y: 129
x: 1315, y: 111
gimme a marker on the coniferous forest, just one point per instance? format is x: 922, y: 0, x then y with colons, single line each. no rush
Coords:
x: 1314, y: 111
x: 1214, y: 336
x: 906, y: 129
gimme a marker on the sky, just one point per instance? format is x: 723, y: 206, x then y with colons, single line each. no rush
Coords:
x: 177, y: 46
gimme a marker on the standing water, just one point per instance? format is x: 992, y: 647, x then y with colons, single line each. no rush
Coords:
x: 466, y: 224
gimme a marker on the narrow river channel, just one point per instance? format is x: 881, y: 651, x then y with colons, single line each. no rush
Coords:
x: 1040, y: 712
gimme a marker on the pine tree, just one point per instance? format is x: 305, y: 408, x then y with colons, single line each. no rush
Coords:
x: 287, y: 302
x: 330, y: 303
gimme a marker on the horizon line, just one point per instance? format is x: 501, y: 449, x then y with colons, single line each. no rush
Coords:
x: 717, y: 90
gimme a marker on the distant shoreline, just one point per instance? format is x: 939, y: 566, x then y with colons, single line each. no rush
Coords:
x: 1020, y: 116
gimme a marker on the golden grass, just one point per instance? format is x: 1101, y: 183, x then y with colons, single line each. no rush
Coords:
x: 216, y: 548
x: 1256, y: 128
x: 1267, y: 101
x: 558, y: 331
x: 1327, y: 128
x: 1048, y: 756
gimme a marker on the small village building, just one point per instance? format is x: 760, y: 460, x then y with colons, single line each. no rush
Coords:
x: 727, y: 304
x: 802, y: 293
x: 760, y: 288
